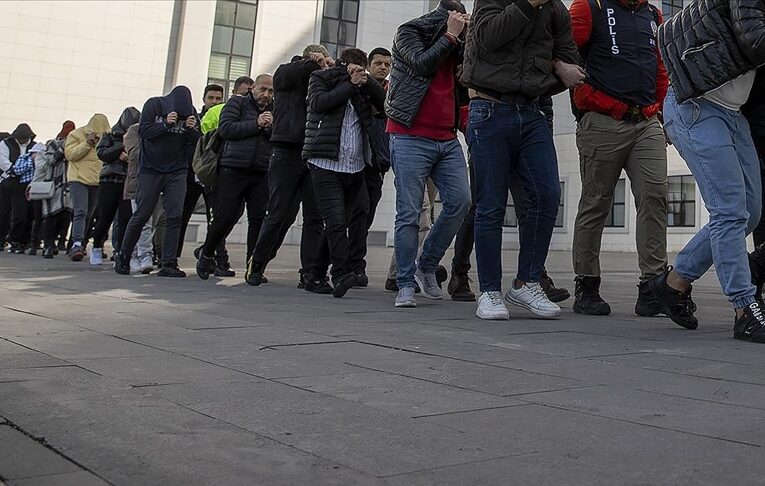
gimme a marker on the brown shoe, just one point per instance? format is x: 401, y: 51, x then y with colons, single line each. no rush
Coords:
x: 459, y: 285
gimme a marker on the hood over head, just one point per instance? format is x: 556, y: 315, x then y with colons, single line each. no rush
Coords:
x: 130, y: 116
x: 23, y: 132
x: 179, y: 101
x: 98, y: 124
x: 67, y: 128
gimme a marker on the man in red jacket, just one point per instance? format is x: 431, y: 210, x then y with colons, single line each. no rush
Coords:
x: 619, y: 129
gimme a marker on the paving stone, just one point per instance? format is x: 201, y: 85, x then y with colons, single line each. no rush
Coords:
x: 85, y: 344
x: 78, y: 478
x: 24, y: 457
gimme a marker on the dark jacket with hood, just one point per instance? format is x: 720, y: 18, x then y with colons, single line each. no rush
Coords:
x: 711, y: 42
x: 23, y: 131
x: 328, y: 95
x: 511, y: 47
x: 290, y: 91
x: 419, y: 49
x: 110, y: 147
x: 167, y: 148
x: 246, y: 145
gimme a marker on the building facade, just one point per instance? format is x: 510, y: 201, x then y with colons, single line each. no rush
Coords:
x: 68, y: 59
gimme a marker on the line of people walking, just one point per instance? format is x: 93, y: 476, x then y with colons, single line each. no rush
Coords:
x: 321, y: 133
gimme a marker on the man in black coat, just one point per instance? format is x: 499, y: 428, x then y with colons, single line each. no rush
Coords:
x: 340, y: 142
x: 245, y: 127
x: 11, y: 191
x: 289, y: 181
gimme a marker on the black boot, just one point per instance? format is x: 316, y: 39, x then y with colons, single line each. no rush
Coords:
x: 677, y: 305
x: 170, y: 269
x: 121, y: 264
x: 318, y: 286
x: 459, y: 284
x: 751, y: 325
x: 223, y: 267
x: 205, y: 265
x: 48, y: 252
x: 552, y: 292
x: 302, y: 279
x: 757, y: 267
x: 343, y: 284
x: 361, y: 279
x: 646, y: 305
x: 391, y: 285
x: 587, y: 300
x: 254, y: 273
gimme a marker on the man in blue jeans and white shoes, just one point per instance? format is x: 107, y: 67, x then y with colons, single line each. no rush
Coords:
x: 712, y: 51
x: 423, y: 115
x: 516, y: 53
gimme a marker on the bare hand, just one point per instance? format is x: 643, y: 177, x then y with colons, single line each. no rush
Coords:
x: 172, y: 118
x: 191, y: 122
x: 329, y: 62
x: 318, y: 58
x: 456, y: 23
x: 537, y: 3
x: 92, y: 139
x: 123, y: 156
x: 571, y: 75
x: 265, y: 119
x: 359, y: 78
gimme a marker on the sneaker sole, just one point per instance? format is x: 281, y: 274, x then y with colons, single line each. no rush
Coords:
x: 504, y: 317
x: 425, y: 294
x: 537, y: 312
x: 405, y: 305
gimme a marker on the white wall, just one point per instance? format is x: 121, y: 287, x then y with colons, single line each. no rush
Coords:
x: 194, y: 47
x: 70, y: 59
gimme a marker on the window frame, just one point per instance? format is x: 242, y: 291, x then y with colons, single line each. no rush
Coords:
x: 682, y: 202
x: 335, y: 48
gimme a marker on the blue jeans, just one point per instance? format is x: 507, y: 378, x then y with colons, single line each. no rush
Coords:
x: 717, y: 146
x: 413, y: 160
x: 512, y: 140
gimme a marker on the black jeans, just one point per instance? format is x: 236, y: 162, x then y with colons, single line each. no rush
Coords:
x: 289, y: 184
x: 110, y: 201
x: 193, y: 191
x: 173, y: 188
x: 233, y: 189
x: 14, y: 210
x: 343, y: 202
x: 53, y: 226
x: 360, y: 228
x: 463, y: 245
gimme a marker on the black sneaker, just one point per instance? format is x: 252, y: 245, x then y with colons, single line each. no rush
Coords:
x: 587, y: 298
x: 751, y: 325
x: 302, y: 279
x: 253, y: 275
x: 224, y: 270
x: 205, y: 266
x: 361, y: 279
x: 48, y: 252
x: 757, y: 267
x: 677, y: 305
x: 343, y: 284
x: 320, y: 286
x: 646, y: 305
x: 171, y: 270
x: 441, y: 276
x: 121, y: 264
x: 391, y: 285
x: 552, y: 292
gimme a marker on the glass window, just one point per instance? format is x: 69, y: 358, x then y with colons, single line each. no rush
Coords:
x: 246, y: 15
x: 511, y: 219
x: 616, y: 217
x: 332, y: 8
x: 222, y: 37
x: 217, y: 68
x: 350, y: 10
x: 225, y: 12
x: 681, y: 201
x: 329, y: 30
x: 240, y: 66
x: 243, y: 42
x: 339, y: 25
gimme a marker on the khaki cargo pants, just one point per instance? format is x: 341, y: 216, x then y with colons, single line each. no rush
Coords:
x: 606, y: 146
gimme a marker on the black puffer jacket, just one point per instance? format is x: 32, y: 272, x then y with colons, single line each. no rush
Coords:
x: 419, y: 49
x: 511, y: 46
x: 328, y: 95
x: 711, y: 42
x: 246, y: 146
x: 290, y: 90
x: 110, y: 147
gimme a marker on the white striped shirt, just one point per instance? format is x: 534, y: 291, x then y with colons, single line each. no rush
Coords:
x: 352, y: 154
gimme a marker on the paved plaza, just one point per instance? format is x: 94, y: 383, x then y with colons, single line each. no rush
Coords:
x: 147, y: 381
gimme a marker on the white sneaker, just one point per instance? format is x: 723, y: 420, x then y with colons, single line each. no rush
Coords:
x: 135, y: 265
x: 531, y: 296
x: 96, y: 256
x: 492, y: 307
x: 146, y: 265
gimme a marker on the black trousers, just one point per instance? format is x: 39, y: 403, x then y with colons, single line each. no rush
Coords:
x: 360, y: 228
x: 110, y: 201
x: 343, y: 201
x: 463, y: 245
x: 289, y: 184
x: 35, y: 223
x: 759, y: 231
x: 233, y: 189
x: 150, y: 186
x: 16, y: 210
x: 193, y: 191
x: 53, y: 226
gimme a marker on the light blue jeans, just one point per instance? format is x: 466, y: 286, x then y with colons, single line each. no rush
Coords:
x: 717, y: 146
x: 413, y: 160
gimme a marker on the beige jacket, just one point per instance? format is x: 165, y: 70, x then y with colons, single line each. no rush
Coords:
x: 84, y: 164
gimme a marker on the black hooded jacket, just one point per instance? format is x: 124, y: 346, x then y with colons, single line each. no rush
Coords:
x: 110, y: 147
x: 290, y: 91
x: 167, y: 148
x: 23, y: 131
x: 246, y: 146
